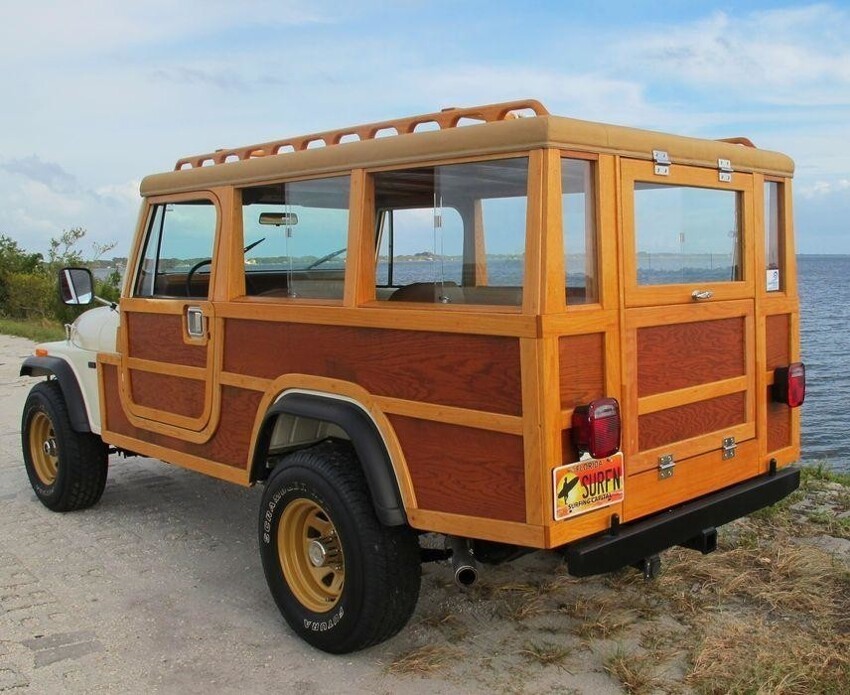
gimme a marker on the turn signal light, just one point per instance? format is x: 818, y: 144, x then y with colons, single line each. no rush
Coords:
x: 789, y: 384
x: 596, y: 428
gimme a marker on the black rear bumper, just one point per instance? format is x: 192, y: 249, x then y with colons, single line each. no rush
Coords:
x: 631, y: 543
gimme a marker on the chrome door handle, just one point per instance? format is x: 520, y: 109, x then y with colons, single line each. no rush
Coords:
x: 195, y: 322
x: 699, y: 295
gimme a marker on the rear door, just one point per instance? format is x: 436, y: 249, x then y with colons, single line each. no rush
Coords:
x: 689, y: 352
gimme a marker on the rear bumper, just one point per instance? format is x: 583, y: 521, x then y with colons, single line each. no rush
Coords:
x: 631, y: 543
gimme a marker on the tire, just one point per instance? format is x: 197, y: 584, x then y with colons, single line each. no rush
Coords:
x: 341, y: 579
x: 67, y: 469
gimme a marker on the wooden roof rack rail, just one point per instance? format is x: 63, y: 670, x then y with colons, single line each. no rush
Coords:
x: 746, y: 142
x: 447, y: 118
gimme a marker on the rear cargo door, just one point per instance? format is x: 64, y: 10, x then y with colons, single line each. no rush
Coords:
x: 689, y: 352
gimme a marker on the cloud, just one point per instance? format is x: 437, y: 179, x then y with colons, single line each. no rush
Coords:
x: 49, y: 174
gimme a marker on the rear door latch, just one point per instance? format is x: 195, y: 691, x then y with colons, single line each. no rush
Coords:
x: 728, y: 448
x: 666, y: 464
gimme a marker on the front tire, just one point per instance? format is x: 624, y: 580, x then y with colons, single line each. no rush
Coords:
x: 67, y: 469
x: 341, y: 579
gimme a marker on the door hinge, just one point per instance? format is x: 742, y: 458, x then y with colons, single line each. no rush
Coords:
x: 729, y: 447
x: 724, y: 167
x: 666, y: 464
x: 662, y: 162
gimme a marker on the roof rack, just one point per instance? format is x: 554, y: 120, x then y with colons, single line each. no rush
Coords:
x: 447, y: 118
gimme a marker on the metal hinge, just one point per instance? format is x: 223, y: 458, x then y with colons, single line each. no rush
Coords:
x: 666, y: 464
x: 729, y: 447
x: 662, y: 162
x: 724, y: 166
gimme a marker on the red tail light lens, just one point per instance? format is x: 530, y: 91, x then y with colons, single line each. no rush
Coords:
x: 596, y: 428
x: 789, y: 384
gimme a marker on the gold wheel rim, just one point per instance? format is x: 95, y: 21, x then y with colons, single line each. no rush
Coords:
x: 311, y: 555
x: 44, y: 450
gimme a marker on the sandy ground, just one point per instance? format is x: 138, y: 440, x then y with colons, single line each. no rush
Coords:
x: 159, y: 588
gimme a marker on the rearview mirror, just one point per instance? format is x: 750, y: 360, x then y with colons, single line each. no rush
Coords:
x: 76, y: 286
x: 279, y: 219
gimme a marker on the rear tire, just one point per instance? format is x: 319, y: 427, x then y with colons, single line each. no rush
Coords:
x: 341, y: 579
x: 67, y: 469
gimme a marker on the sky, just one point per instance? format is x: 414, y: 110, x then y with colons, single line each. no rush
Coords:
x: 97, y: 94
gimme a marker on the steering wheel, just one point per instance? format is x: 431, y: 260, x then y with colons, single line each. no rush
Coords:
x: 195, y: 268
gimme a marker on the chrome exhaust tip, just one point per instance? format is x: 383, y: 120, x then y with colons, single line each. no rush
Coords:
x: 464, y: 565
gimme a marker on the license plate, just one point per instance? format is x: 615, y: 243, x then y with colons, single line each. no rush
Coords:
x: 587, y: 485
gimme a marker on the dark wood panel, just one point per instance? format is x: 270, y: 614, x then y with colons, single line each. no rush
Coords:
x: 778, y: 347
x: 230, y: 442
x: 463, y: 470
x: 159, y: 337
x: 466, y: 371
x: 778, y: 424
x: 171, y: 394
x: 581, y: 360
x: 679, y: 355
x: 691, y: 420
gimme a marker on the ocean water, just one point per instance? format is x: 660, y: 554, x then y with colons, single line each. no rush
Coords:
x: 824, y: 286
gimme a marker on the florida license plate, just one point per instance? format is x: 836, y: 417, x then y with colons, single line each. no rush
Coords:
x: 587, y: 485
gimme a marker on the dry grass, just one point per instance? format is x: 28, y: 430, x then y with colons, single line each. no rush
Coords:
x: 634, y: 671
x: 546, y: 654
x: 601, y: 617
x: 422, y: 660
x: 751, y: 655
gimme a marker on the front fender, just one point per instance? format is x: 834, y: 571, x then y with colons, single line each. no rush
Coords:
x: 64, y: 374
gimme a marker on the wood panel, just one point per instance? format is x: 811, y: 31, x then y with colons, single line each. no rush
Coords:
x: 691, y: 420
x: 229, y: 444
x: 778, y: 424
x: 676, y: 356
x: 462, y: 471
x: 581, y: 360
x: 475, y: 372
x: 646, y: 493
x: 158, y: 337
x: 778, y: 343
x: 173, y: 394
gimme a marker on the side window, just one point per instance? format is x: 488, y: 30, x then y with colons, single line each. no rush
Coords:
x: 177, y: 257
x: 686, y: 234
x: 774, y: 236
x: 296, y: 237
x: 578, y: 205
x: 452, y: 234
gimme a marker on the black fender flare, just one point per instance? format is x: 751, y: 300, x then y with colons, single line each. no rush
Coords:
x: 364, y: 435
x: 64, y: 374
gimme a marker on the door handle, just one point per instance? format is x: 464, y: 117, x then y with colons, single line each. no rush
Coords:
x: 699, y: 295
x: 195, y: 322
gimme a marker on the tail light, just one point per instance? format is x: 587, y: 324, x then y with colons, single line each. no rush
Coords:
x: 596, y: 428
x: 789, y: 384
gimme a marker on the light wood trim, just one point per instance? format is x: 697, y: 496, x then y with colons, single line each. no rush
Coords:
x: 360, y: 262
x: 444, y: 318
x: 476, y: 527
x: 702, y: 392
x: 533, y: 291
x: 178, y: 370
x: 690, y: 313
x: 242, y: 381
x: 438, y: 161
x: 233, y: 284
x: 179, y: 458
x: 155, y: 306
x: 608, y: 261
x: 347, y: 391
x: 479, y: 246
x: 587, y: 524
x: 648, y: 295
x: 686, y: 448
x: 579, y: 321
x: 495, y: 422
x: 552, y: 271
x: 788, y: 239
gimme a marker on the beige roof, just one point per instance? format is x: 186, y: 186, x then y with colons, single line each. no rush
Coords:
x: 499, y: 136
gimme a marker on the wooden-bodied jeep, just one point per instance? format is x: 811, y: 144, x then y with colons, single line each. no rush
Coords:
x: 518, y: 330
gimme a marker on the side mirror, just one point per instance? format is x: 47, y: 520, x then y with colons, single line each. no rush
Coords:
x: 76, y: 286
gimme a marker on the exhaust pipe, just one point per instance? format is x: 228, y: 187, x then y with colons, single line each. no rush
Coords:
x: 464, y: 565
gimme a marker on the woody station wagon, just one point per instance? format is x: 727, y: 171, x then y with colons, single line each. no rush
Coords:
x: 517, y: 330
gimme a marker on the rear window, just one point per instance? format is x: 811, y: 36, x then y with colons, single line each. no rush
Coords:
x: 686, y: 234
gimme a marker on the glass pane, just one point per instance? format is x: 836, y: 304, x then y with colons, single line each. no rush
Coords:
x: 178, y: 253
x: 453, y: 234
x: 686, y: 235
x: 773, y: 233
x: 578, y: 206
x: 296, y: 237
